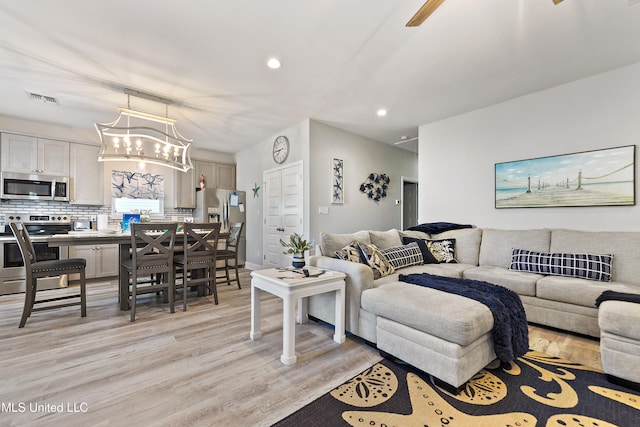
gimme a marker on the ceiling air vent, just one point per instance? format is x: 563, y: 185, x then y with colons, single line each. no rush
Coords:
x: 42, y: 98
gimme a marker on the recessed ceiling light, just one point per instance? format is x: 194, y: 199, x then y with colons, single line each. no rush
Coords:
x: 274, y: 63
x: 382, y: 112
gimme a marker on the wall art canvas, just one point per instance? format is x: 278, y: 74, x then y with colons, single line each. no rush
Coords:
x: 337, y: 177
x: 591, y: 178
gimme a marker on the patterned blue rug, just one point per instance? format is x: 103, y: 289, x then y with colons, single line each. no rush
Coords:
x: 536, y: 390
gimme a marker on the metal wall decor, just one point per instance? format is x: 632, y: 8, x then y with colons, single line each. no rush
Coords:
x: 337, y: 177
x: 376, y: 186
x: 590, y: 178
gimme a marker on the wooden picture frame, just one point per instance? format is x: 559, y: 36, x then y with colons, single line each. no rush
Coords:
x: 603, y: 177
x: 337, y: 180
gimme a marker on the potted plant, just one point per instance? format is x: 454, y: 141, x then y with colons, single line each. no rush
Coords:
x: 297, y: 246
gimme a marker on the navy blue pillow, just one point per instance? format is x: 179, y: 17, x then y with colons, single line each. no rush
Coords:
x: 441, y: 251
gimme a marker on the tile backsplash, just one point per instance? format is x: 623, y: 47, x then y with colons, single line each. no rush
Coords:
x: 76, y: 212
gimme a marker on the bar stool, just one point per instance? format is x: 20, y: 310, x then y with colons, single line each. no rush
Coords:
x: 36, y: 269
x: 230, y: 252
x: 152, y: 246
x: 198, y: 260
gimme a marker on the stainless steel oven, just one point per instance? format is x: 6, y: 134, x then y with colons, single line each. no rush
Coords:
x: 12, y: 274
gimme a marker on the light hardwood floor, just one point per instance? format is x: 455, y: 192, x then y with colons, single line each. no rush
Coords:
x: 189, y: 368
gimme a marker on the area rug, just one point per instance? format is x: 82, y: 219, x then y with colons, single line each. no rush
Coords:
x: 535, y: 390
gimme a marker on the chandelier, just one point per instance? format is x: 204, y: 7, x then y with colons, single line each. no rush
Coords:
x: 143, y: 137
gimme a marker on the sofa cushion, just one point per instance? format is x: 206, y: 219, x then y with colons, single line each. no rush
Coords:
x: 385, y: 239
x: 573, y: 290
x: 496, y: 245
x: 414, y: 234
x: 451, y: 317
x: 520, y: 282
x: 404, y: 255
x: 372, y: 256
x: 331, y: 242
x: 586, y: 266
x: 467, y: 244
x: 625, y: 247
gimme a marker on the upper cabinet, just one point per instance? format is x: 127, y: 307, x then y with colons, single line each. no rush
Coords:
x: 85, y: 175
x: 216, y: 175
x: 28, y: 154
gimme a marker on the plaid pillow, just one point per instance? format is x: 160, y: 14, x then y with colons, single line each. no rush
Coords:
x: 585, y: 266
x: 403, y: 256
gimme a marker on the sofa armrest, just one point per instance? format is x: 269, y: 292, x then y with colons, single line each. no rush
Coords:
x: 359, y: 278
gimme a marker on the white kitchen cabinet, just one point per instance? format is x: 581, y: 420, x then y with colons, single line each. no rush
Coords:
x: 85, y: 175
x: 28, y: 154
x: 102, y: 260
x: 185, y: 193
x: 216, y: 175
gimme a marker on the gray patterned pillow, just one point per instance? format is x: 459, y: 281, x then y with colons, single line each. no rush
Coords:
x: 403, y: 256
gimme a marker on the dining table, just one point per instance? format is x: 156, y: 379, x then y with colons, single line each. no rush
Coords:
x: 123, y: 240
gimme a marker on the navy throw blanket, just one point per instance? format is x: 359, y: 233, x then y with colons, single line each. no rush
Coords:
x: 617, y: 296
x: 438, y: 227
x: 510, y: 331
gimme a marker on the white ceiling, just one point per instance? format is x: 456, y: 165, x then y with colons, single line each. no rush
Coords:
x: 342, y: 60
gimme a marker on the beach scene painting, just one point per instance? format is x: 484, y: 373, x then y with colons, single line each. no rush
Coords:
x: 592, y: 178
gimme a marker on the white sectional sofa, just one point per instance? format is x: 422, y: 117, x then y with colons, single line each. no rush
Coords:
x: 449, y: 336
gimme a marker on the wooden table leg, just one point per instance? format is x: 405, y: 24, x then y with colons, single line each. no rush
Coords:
x: 339, y: 335
x: 123, y: 276
x: 289, y: 331
x: 255, y: 314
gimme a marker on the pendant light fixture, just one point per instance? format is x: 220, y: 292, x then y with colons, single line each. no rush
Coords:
x: 143, y: 137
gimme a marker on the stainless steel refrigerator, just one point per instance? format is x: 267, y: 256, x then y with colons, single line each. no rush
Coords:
x: 226, y: 207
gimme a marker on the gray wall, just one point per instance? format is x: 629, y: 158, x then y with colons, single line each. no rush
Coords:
x: 457, y: 155
x: 314, y: 144
x: 361, y: 156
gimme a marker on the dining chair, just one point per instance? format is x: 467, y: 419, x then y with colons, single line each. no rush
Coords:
x: 152, y: 246
x: 35, y: 269
x: 198, y: 258
x: 230, y: 253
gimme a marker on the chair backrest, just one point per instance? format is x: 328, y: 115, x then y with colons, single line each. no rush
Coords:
x: 153, y: 244
x: 201, y: 239
x: 24, y: 243
x: 235, y: 230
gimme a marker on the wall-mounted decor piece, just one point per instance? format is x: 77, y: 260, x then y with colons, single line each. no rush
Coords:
x: 337, y: 177
x: 135, y: 185
x: 590, y: 178
x: 376, y: 186
x: 255, y: 189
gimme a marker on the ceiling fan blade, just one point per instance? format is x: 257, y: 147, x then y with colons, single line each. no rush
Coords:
x: 424, y: 12
x: 557, y: 1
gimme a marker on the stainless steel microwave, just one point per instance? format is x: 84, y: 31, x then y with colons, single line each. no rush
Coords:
x: 34, y: 187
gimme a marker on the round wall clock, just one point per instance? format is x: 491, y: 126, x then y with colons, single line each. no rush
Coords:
x: 280, y: 149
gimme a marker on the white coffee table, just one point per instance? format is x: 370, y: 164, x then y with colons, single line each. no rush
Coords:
x: 291, y: 285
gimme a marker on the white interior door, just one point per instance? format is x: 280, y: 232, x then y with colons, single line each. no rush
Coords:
x: 282, y: 212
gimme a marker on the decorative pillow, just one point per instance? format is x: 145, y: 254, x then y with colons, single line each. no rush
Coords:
x: 373, y: 257
x: 403, y: 256
x: 351, y: 252
x: 435, y: 251
x: 585, y: 266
